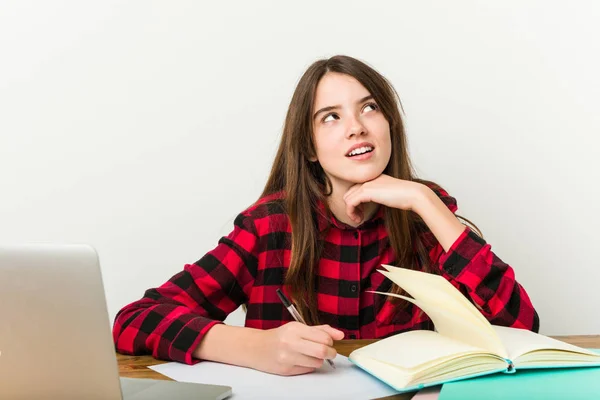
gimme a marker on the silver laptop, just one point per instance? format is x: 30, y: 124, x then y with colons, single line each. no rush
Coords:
x: 55, y: 336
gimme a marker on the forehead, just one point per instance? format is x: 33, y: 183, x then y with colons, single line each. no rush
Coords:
x: 338, y: 89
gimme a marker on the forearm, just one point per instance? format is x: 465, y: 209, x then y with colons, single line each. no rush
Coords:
x: 465, y: 258
x: 440, y: 220
x: 489, y: 282
x: 230, y: 344
x: 168, y: 331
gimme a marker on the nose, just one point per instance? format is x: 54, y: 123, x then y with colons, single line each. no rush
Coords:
x: 356, y: 128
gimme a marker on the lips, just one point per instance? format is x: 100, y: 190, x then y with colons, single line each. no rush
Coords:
x: 358, y: 146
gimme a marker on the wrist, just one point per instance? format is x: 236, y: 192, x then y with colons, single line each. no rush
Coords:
x: 255, y: 347
x: 422, y: 198
x: 231, y: 344
x: 439, y: 219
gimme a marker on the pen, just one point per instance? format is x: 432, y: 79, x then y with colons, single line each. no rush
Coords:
x: 288, y: 304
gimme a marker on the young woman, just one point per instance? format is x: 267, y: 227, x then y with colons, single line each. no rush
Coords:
x: 341, y: 200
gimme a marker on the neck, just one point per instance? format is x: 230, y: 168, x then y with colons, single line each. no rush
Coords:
x: 338, y: 207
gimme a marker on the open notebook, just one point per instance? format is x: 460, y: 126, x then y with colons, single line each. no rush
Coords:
x: 464, y: 344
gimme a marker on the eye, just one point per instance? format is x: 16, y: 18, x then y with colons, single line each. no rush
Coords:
x: 329, y: 115
x: 372, y: 105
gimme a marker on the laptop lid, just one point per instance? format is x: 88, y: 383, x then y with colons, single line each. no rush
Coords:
x: 55, y: 334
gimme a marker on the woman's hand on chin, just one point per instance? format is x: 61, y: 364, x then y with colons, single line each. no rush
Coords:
x: 385, y: 190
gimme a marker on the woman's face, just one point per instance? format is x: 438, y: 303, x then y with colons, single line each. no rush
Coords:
x: 352, y: 136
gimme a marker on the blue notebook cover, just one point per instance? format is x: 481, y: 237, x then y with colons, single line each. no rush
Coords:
x: 422, y: 386
x: 531, y: 384
x: 526, y: 376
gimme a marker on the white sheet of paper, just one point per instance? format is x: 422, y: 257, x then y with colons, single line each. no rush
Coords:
x: 347, y: 381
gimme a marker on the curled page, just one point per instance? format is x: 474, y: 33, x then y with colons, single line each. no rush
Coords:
x: 452, y: 314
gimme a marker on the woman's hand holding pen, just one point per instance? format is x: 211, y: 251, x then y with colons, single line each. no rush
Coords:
x: 295, y: 348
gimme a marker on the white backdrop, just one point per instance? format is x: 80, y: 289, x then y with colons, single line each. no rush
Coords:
x: 143, y: 128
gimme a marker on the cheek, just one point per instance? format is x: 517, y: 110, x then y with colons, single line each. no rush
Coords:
x: 388, y: 152
x: 378, y: 126
x: 326, y: 146
x: 388, y: 141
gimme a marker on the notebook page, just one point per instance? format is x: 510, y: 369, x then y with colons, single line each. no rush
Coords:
x: 435, y: 289
x: 410, y: 350
x: 521, y: 341
x: 455, y: 326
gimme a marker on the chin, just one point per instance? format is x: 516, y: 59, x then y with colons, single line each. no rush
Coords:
x: 366, y: 176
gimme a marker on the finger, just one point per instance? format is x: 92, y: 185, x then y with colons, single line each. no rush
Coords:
x: 359, y: 211
x: 351, y: 212
x: 352, y: 189
x: 316, y: 350
x: 302, y: 360
x: 296, y: 370
x: 351, y: 205
x: 316, y: 335
x: 335, y: 334
x: 354, y: 207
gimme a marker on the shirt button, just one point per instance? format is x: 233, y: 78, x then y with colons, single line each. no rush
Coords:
x: 355, y: 235
x: 353, y: 288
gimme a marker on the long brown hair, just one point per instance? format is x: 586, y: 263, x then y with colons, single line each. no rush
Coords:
x: 305, y: 184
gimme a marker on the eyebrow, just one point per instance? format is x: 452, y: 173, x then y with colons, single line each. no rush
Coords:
x: 329, y: 108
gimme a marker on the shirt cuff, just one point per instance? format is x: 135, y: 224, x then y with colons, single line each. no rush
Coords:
x: 462, y: 251
x: 188, y: 339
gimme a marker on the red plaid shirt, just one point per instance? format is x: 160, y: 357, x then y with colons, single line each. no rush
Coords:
x: 249, y: 264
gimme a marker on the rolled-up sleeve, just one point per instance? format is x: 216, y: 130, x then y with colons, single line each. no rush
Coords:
x: 471, y: 264
x: 170, y: 321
